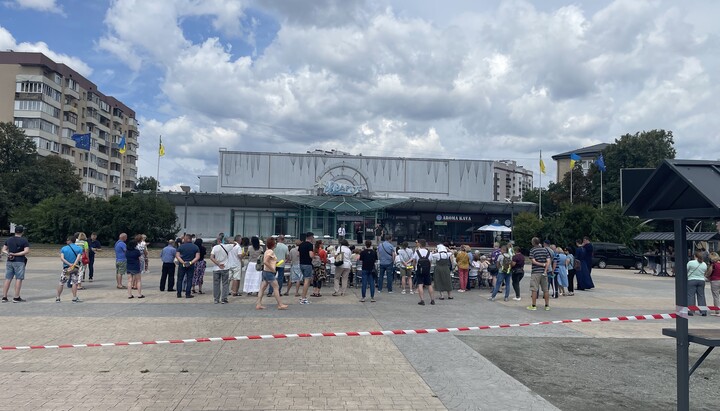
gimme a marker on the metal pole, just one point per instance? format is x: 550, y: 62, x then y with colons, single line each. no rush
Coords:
x: 540, y: 198
x: 681, y: 323
x: 571, y: 183
x: 601, y: 189
x: 157, y: 178
x: 185, y: 217
x: 87, y: 174
x: 512, y: 219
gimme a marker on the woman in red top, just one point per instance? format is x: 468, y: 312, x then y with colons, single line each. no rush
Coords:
x: 714, y: 275
x: 319, y: 271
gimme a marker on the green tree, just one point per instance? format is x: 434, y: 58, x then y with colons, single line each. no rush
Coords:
x: 526, y: 226
x: 533, y: 196
x: 44, y: 177
x: 582, y: 189
x: 16, y: 149
x: 571, y: 223
x: 645, y: 149
x: 612, y: 226
x: 53, y: 219
x: 147, y: 183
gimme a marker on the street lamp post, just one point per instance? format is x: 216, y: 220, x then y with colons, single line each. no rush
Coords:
x: 512, y: 201
x: 186, y: 190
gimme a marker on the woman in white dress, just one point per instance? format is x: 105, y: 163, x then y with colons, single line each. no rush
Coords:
x: 253, y: 277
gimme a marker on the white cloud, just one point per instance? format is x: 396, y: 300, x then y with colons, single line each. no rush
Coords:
x: 7, y: 42
x: 500, y: 82
x: 50, y: 6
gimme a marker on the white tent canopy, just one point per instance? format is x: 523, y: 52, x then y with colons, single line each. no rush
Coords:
x: 495, y: 227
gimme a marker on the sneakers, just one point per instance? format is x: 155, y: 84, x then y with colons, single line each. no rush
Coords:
x: 516, y: 298
x: 402, y: 292
x: 216, y: 302
x: 223, y: 301
x: 362, y: 300
x: 372, y: 300
x: 532, y: 308
x: 505, y: 299
x: 4, y: 299
x: 57, y: 300
x: 412, y: 292
x: 421, y: 302
x: 547, y: 308
x: 76, y: 300
x: 491, y: 298
x: 432, y: 302
x: 18, y: 300
x: 390, y: 292
x: 304, y: 301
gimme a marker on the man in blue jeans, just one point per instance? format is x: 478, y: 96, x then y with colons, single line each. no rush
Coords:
x: 306, y: 254
x: 16, y: 248
x: 386, y: 252
x: 187, y: 255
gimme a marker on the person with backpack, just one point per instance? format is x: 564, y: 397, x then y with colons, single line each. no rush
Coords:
x: 70, y: 256
x: 422, y: 272
x: 492, y: 264
x: 343, y: 264
x: 504, y: 266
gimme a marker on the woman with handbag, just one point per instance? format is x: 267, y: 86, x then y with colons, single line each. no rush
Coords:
x: 319, y: 271
x: 269, y: 270
x: 696, y: 269
x: 713, y: 276
x: 253, y: 276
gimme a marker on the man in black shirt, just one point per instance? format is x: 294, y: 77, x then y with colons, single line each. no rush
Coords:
x: 95, y: 246
x: 16, y: 248
x: 368, y: 256
x: 306, y: 254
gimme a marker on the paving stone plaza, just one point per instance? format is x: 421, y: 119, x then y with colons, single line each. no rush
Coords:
x: 597, y: 366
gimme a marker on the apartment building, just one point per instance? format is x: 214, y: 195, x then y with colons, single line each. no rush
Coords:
x: 511, y: 180
x: 50, y: 102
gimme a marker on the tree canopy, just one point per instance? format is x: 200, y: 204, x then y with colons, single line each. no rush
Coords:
x: 43, y: 193
x: 147, y: 183
x: 564, y: 222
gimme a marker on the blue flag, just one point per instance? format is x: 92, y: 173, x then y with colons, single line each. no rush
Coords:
x: 600, y: 163
x: 121, y: 145
x: 82, y: 141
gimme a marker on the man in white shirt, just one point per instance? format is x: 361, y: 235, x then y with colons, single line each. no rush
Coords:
x: 220, y: 256
x: 341, y: 234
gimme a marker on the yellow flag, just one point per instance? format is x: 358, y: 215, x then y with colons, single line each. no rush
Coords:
x: 572, y: 164
x: 542, y: 166
x: 161, y: 150
x: 122, y: 148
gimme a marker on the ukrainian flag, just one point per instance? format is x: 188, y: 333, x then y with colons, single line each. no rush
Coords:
x: 121, y: 145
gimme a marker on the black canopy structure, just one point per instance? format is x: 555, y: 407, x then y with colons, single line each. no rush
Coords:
x: 649, y: 236
x: 679, y: 190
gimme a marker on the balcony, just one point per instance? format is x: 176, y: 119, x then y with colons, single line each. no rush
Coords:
x: 114, y: 173
x: 70, y: 92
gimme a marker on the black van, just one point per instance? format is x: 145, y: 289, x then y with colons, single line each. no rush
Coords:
x: 605, y: 254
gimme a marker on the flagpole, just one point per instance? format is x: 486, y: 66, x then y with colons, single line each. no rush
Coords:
x: 540, y: 190
x: 87, y: 174
x: 571, y: 182
x: 601, y: 189
x: 157, y: 178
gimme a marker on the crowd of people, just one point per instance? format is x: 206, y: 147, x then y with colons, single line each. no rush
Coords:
x: 256, y: 268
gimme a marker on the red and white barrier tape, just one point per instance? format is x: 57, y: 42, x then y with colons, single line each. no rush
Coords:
x: 683, y: 311
x: 347, y: 334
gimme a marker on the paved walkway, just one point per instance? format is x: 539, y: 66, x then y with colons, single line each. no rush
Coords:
x: 404, y: 372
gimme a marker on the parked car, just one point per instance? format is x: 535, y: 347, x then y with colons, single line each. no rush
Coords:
x: 605, y: 254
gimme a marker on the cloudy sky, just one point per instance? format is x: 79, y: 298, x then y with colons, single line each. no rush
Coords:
x: 448, y: 79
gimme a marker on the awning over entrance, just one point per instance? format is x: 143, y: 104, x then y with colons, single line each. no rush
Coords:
x: 342, y: 204
x: 671, y: 236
